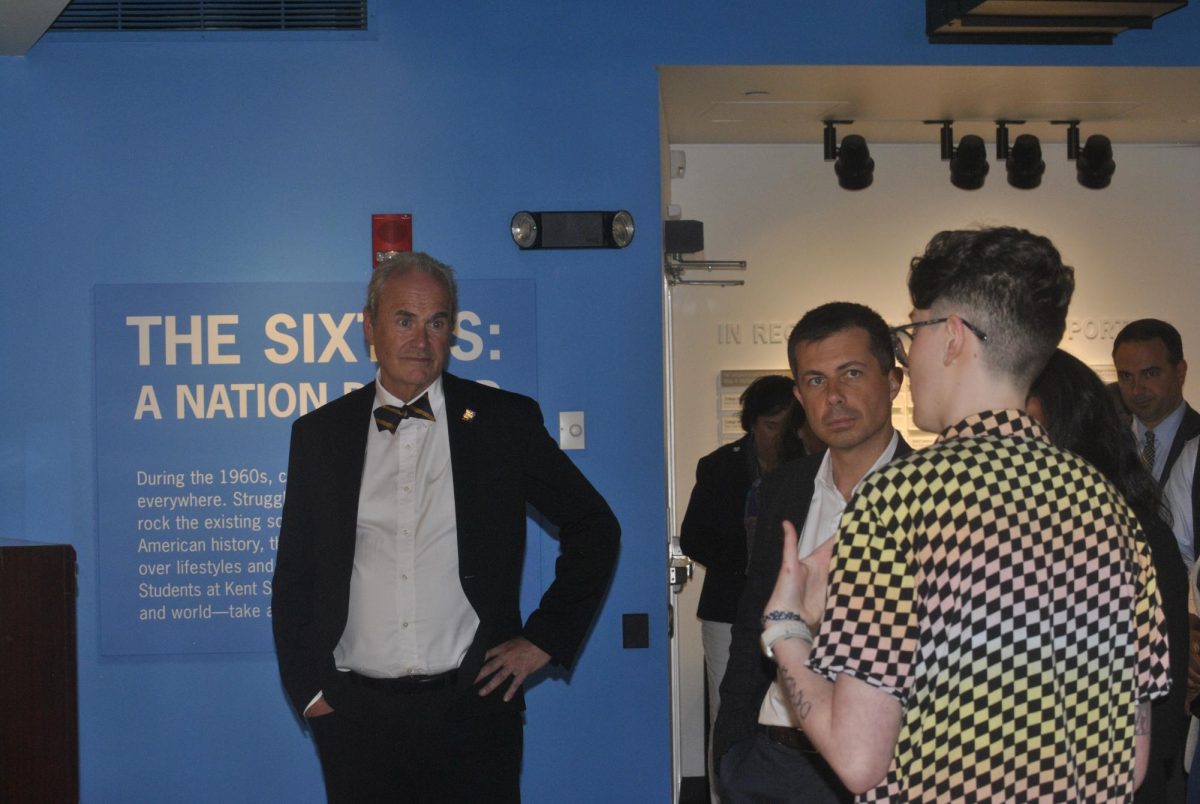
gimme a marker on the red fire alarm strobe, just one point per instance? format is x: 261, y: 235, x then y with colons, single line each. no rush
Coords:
x: 390, y: 234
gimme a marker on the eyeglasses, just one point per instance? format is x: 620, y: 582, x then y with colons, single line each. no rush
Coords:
x: 902, y: 336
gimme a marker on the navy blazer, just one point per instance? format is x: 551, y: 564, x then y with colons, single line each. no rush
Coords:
x: 786, y: 495
x: 1164, y: 779
x: 502, y: 459
x: 1168, y: 722
x: 1189, y: 428
x: 714, y: 527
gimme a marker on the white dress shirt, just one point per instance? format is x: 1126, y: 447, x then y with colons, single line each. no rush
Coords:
x: 408, y: 613
x: 821, y: 524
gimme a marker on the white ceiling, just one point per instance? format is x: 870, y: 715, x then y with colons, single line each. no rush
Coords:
x: 22, y: 23
x: 889, y: 104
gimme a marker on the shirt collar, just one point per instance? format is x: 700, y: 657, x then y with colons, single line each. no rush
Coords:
x: 824, y: 478
x: 385, y: 397
x: 995, y: 423
x: 1164, y: 431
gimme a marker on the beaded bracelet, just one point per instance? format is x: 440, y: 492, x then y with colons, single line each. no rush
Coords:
x: 779, y: 615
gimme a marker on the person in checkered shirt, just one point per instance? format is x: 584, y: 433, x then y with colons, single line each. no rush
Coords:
x: 986, y: 625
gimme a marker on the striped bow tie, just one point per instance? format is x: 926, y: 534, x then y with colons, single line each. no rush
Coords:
x: 388, y: 417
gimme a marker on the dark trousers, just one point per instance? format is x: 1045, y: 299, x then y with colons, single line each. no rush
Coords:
x: 379, y: 746
x: 758, y: 771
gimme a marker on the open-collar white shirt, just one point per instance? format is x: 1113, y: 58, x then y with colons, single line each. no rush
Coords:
x: 824, y: 513
x: 408, y: 613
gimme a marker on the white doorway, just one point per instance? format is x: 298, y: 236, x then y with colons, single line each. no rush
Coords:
x: 806, y: 242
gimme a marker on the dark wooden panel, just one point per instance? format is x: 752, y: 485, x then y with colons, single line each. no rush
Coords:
x: 39, y: 727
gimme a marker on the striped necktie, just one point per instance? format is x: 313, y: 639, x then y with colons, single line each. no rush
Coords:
x: 388, y: 417
x: 1149, y: 451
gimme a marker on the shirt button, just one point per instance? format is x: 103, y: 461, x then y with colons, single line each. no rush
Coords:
x: 407, y: 489
x: 404, y: 625
x: 404, y: 577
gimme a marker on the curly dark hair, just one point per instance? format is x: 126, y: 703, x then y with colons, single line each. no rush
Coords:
x: 1009, y: 283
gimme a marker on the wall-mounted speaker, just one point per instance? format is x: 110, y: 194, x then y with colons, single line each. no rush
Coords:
x: 683, y: 237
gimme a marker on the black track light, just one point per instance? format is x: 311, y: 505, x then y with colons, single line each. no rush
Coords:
x: 969, y: 165
x: 1024, y: 160
x: 1025, y: 164
x: 1094, y: 165
x: 969, y: 162
x: 854, y: 166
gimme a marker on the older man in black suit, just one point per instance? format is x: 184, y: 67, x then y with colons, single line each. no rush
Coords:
x: 846, y: 378
x: 396, y: 592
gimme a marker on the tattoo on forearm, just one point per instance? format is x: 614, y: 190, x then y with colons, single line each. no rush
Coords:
x: 800, y: 704
x: 1142, y: 722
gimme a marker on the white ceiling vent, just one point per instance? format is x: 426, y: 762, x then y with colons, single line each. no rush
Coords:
x: 213, y: 15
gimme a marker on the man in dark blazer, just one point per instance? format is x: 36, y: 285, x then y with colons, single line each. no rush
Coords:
x: 395, y: 601
x: 1148, y: 357
x: 721, y: 509
x: 846, y: 378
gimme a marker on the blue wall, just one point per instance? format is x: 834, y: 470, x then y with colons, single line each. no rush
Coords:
x: 256, y: 159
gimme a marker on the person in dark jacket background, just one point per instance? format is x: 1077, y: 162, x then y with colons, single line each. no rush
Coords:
x: 723, y: 508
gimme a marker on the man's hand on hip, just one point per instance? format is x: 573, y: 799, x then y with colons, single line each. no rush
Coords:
x: 518, y: 658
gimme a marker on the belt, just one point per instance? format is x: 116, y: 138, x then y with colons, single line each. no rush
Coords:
x: 790, y: 738
x: 405, y: 685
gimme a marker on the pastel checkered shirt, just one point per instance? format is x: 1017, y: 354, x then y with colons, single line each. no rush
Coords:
x: 1001, y: 590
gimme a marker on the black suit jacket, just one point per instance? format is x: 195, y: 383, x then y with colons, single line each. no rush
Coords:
x: 786, y: 495
x: 1189, y: 428
x: 502, y: 459
x: 1168, y: 723
x: 714, y: 528
x: 1165, y: 780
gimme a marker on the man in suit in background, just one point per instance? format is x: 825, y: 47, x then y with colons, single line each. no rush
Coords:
x: 1148, y: 356
x: 396, y: 592
x: 721, y: 512
x: 846, y: 378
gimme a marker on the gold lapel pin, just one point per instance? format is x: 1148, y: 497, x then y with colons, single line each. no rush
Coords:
x: 468, y: 415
